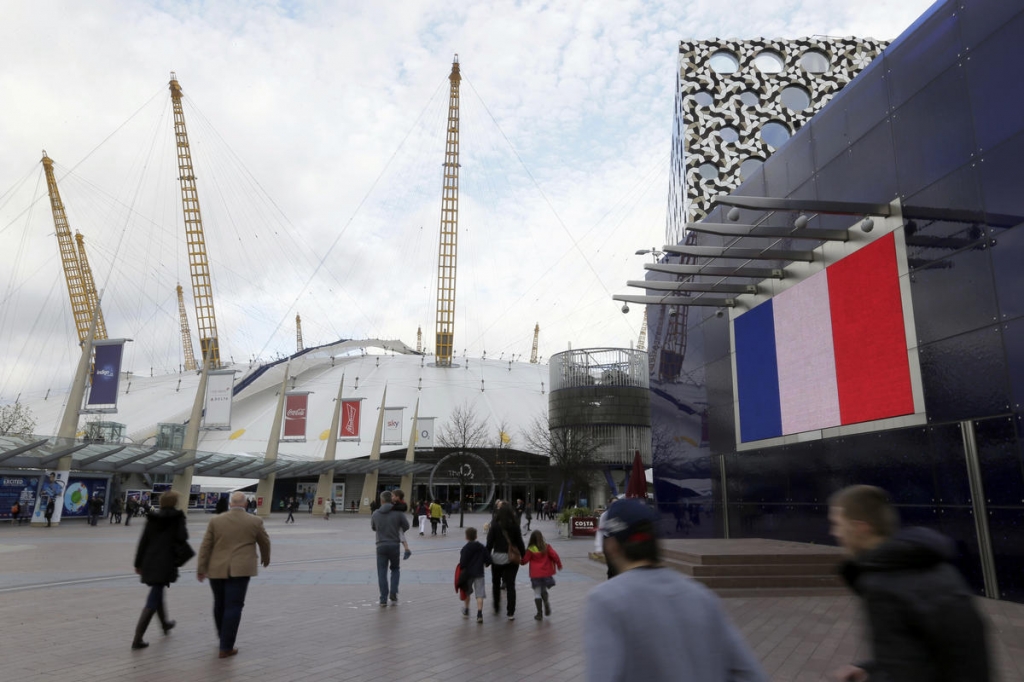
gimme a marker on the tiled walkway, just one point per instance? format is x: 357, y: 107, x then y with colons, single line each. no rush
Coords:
x: 69, y: 601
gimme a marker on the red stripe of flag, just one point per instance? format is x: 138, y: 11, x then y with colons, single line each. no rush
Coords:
x: 872, y: 369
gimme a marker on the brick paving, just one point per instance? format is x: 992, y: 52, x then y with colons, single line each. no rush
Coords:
x: 69, y: 600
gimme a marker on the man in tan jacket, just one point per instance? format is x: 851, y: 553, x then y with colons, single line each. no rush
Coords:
x: 228, y: 557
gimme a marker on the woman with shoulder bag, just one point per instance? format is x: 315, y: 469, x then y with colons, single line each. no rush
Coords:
x: 505, y: 544
x: 162, y: 549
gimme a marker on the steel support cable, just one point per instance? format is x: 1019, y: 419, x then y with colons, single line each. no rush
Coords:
x: 293, y: 230
x: 341, y: 233
x: 558, y: 219
x: 91, y: 152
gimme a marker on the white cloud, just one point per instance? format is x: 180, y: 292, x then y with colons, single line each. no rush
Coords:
x: 314, y: 99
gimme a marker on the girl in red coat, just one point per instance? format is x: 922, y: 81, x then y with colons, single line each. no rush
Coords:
x: 543, y: 559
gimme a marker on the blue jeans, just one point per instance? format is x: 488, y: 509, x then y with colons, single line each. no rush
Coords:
x: 155, y: 600
x: 387, y: 554
x: 228, y: 600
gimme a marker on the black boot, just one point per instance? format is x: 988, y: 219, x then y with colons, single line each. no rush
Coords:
x: 164, y: 623
x: 140, y: 628
x: 547, y: 604
x: 540, y: 615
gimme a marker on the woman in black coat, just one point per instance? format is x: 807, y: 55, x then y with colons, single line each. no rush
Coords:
x: 504, y: 530
x: 156, y: 560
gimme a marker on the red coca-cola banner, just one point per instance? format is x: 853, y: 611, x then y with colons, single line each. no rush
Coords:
x: 350, y: 414
x: 295, y: 409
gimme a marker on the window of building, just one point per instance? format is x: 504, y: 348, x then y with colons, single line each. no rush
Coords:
x: 775, y: 134
x: 795, y: 98
x: 724, y: 61
x: 814, y: 61
x: 769, y: 62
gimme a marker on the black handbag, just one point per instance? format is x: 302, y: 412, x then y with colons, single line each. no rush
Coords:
x: 182, y: 553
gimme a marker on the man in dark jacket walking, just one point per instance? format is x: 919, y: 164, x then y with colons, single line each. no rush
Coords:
x: 390, y: 525
x: 921, y: 615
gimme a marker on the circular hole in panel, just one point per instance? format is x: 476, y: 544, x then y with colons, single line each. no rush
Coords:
x: 795, y: 98
x: 749, y: 99
x: 703, y: 98
x: 814, y: 61
x: 708, y: 171
x: 724, y: 61
x: 769, y: 62
x: 728, y: 134
x: 749, y: 167
x: 775, y: 134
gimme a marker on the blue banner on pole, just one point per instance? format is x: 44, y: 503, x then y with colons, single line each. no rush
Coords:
x: 105, y: 374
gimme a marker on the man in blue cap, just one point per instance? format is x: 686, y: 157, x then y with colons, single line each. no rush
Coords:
x: 652, y: 623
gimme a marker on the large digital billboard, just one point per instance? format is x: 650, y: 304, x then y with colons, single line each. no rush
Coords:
x: 830, y: 351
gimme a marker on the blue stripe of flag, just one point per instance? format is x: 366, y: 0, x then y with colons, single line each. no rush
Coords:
x: 757, y: 374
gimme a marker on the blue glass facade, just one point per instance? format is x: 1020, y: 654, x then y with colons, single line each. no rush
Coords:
x: 938, y: 122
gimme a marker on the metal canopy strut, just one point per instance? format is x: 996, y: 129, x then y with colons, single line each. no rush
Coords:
x: 448, y: 250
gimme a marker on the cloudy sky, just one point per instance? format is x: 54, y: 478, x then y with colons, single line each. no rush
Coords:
x: 317, y: 131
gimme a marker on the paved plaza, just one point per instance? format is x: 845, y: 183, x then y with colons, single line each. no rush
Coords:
x: 69, y: 600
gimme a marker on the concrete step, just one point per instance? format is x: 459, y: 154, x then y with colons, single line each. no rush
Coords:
x: 769, y: 581
x: 811, y: 556
x: 728, y: 570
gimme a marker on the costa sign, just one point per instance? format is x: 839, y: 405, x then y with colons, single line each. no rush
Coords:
x: 583, y: 526
x: 296, y: 405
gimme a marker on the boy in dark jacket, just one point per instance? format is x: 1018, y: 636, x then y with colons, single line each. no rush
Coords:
x: 472, y: 561
x: 921, y: 614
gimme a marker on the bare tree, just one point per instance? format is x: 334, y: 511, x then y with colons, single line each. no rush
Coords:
x: 573, y: 451
x: 16, y: 419
x: 503, y: 441
x: 464, y: 431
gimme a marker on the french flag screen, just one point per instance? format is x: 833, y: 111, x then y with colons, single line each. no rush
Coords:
x: 829, y: 351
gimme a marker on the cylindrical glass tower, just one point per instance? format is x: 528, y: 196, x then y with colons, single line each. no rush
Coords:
x: 603, y: 393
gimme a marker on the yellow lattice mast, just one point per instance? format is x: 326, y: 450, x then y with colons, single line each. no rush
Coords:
x: 198, y: 263
x: 419, y: 339
x: 90, y: 287
x: 641, y: 343
x: 68, y: 257
x: 298, y: 333
x: 186, y: 334
x: 536, y: 339
x: 445, y: 326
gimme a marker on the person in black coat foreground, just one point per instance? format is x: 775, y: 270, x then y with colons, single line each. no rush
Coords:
x: 163, y: 547
x: 503, y: 534
x: 923, y: 623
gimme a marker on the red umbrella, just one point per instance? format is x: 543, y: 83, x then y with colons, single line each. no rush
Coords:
x: 637, y: 479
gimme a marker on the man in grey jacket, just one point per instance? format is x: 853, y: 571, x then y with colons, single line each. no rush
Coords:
x: 651, y: 623
x: 389, y: 525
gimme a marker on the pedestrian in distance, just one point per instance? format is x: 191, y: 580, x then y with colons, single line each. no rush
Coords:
x: 48, y: 512
x: 163, y: 549
x: 389, y: 526
x: 529, y: 517
x: 292, y: 507
x: 921, y: 615
x: 543, y: 561
x: 95, y: 509
x: 310, y: 506
x: 473, y: 560
x: 15, y: 514
x: 505, y: 545
x: 222, y: 505
x: 327, y: 510
x: 228, y: 557
x: 130, y: 508
x: 424, y: 513
x: 436, y: 512
x: 651, y: 622
x: 399, y: 505
x: 444, y: 525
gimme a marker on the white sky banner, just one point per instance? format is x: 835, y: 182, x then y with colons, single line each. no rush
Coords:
x: 219, y: 387
x: 392, y: 426
x: 425, y: 432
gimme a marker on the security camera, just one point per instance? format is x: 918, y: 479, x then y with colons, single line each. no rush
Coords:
x: 719, y: 313
x: 625, y: 308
